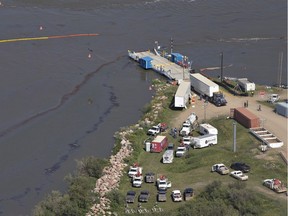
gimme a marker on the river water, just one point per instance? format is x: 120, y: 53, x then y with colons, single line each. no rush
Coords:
x: 63, y: 99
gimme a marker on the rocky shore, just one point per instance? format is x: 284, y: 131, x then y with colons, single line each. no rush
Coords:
x: 114, y: 171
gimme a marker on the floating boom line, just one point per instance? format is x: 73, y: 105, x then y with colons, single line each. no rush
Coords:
x: 47, y: 37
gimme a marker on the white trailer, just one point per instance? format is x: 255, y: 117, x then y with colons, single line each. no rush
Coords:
x: 182, y: 94
x: 168, y: 156
x: 203, y: 85
x: 204, y: 141
x: 246, y: 85
x: 207, y: 129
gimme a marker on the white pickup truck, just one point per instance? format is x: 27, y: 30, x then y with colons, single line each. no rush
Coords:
x: 220, y: 168
x: 137, y: 181
x: 186, y: 129
x: 239, y: 175
x: 180, y: 152
x: 163, y: 183
x: 135, y: 170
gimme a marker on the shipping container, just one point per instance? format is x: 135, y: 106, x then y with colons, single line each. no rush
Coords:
x: 281, y: 108
x: 246, y: 118
x: 159, y: 143
x: 146, y: 62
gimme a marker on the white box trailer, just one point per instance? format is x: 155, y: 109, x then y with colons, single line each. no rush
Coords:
x: 246, y: 85
x: 204, y: 141
x: 168, y: 156
x: 207, y: 129
x: 203, y: 85
x: 182, y: 94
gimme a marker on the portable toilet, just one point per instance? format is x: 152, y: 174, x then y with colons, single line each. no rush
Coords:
x: 148, y: 146
x: 146, y: 62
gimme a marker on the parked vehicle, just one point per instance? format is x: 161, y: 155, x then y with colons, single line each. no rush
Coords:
x: 159, y: 144
x: 144, y: 196
x: 239, y: 175
x: 182, y: 95
x: 150, y: 177
x: 273, y: 98
x: 137, y: 181
x: 246, y: 85
x: 186, y: 140
x: 130, y: 196
x: 204, y: 141
x: 180, y: 152
x: 163, y: 183
x: 207, y: 129
x: 135, y: 170
x: 275, y: 185
x: 188, y: 194
x: 220, y: 168
x: 240, y: 166
x: 168, y: 156
x: 176, y: 196
x: 186, y: 129
x: 161, y: 196
x: 154, y: 130
x: 207, y: 88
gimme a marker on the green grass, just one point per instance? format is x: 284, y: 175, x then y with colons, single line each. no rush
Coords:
x: 193, y: 170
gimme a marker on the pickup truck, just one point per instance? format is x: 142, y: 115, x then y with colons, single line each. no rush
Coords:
x: 144, y: 196
x: 176, y: 196
x: 275, y: 185
x: 137, y: 181
x: 163, y: 183
x: 150, y: 177
x: 220, y: 168
x: 186, y: 140
x: 239, y: 175
x: 186, y: 129
x: 180, y: 152
x: 161, y: 196
x: 130, y: 196
x: 188, y: 194
x: 134, y: 170
x: 156, y: 129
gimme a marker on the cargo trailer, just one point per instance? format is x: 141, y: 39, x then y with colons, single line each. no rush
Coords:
x: 182, y: 95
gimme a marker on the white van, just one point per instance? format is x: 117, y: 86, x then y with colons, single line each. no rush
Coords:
x: 207, y: 129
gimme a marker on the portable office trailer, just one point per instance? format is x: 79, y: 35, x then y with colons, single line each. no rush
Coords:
x: 159, y: 143
x: 203, y: 85
x: 246, y: 118
x: 204, y: 141
x: 207, y: 129
x: 246, y: 85
x: 281, y: 108
x: 182, y: 94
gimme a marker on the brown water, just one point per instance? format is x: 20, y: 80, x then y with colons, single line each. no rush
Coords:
x: 47, y: 120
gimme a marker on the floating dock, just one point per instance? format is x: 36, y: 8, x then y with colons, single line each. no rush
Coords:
x: 160, y: 64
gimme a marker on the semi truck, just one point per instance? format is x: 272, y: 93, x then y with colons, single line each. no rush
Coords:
x: 182, y: 95
x: 207, y: 88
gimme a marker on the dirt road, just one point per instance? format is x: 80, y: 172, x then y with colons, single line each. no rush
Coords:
x: 273, y: 122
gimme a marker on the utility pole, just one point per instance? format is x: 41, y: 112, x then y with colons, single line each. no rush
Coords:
x: 234, y: 136
x: 221, y: 66
x: 171, y: 45
x: 280, y: 65
x: 205, y: 106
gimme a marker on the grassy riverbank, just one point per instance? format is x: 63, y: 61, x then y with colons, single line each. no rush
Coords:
x: 193, y: 170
